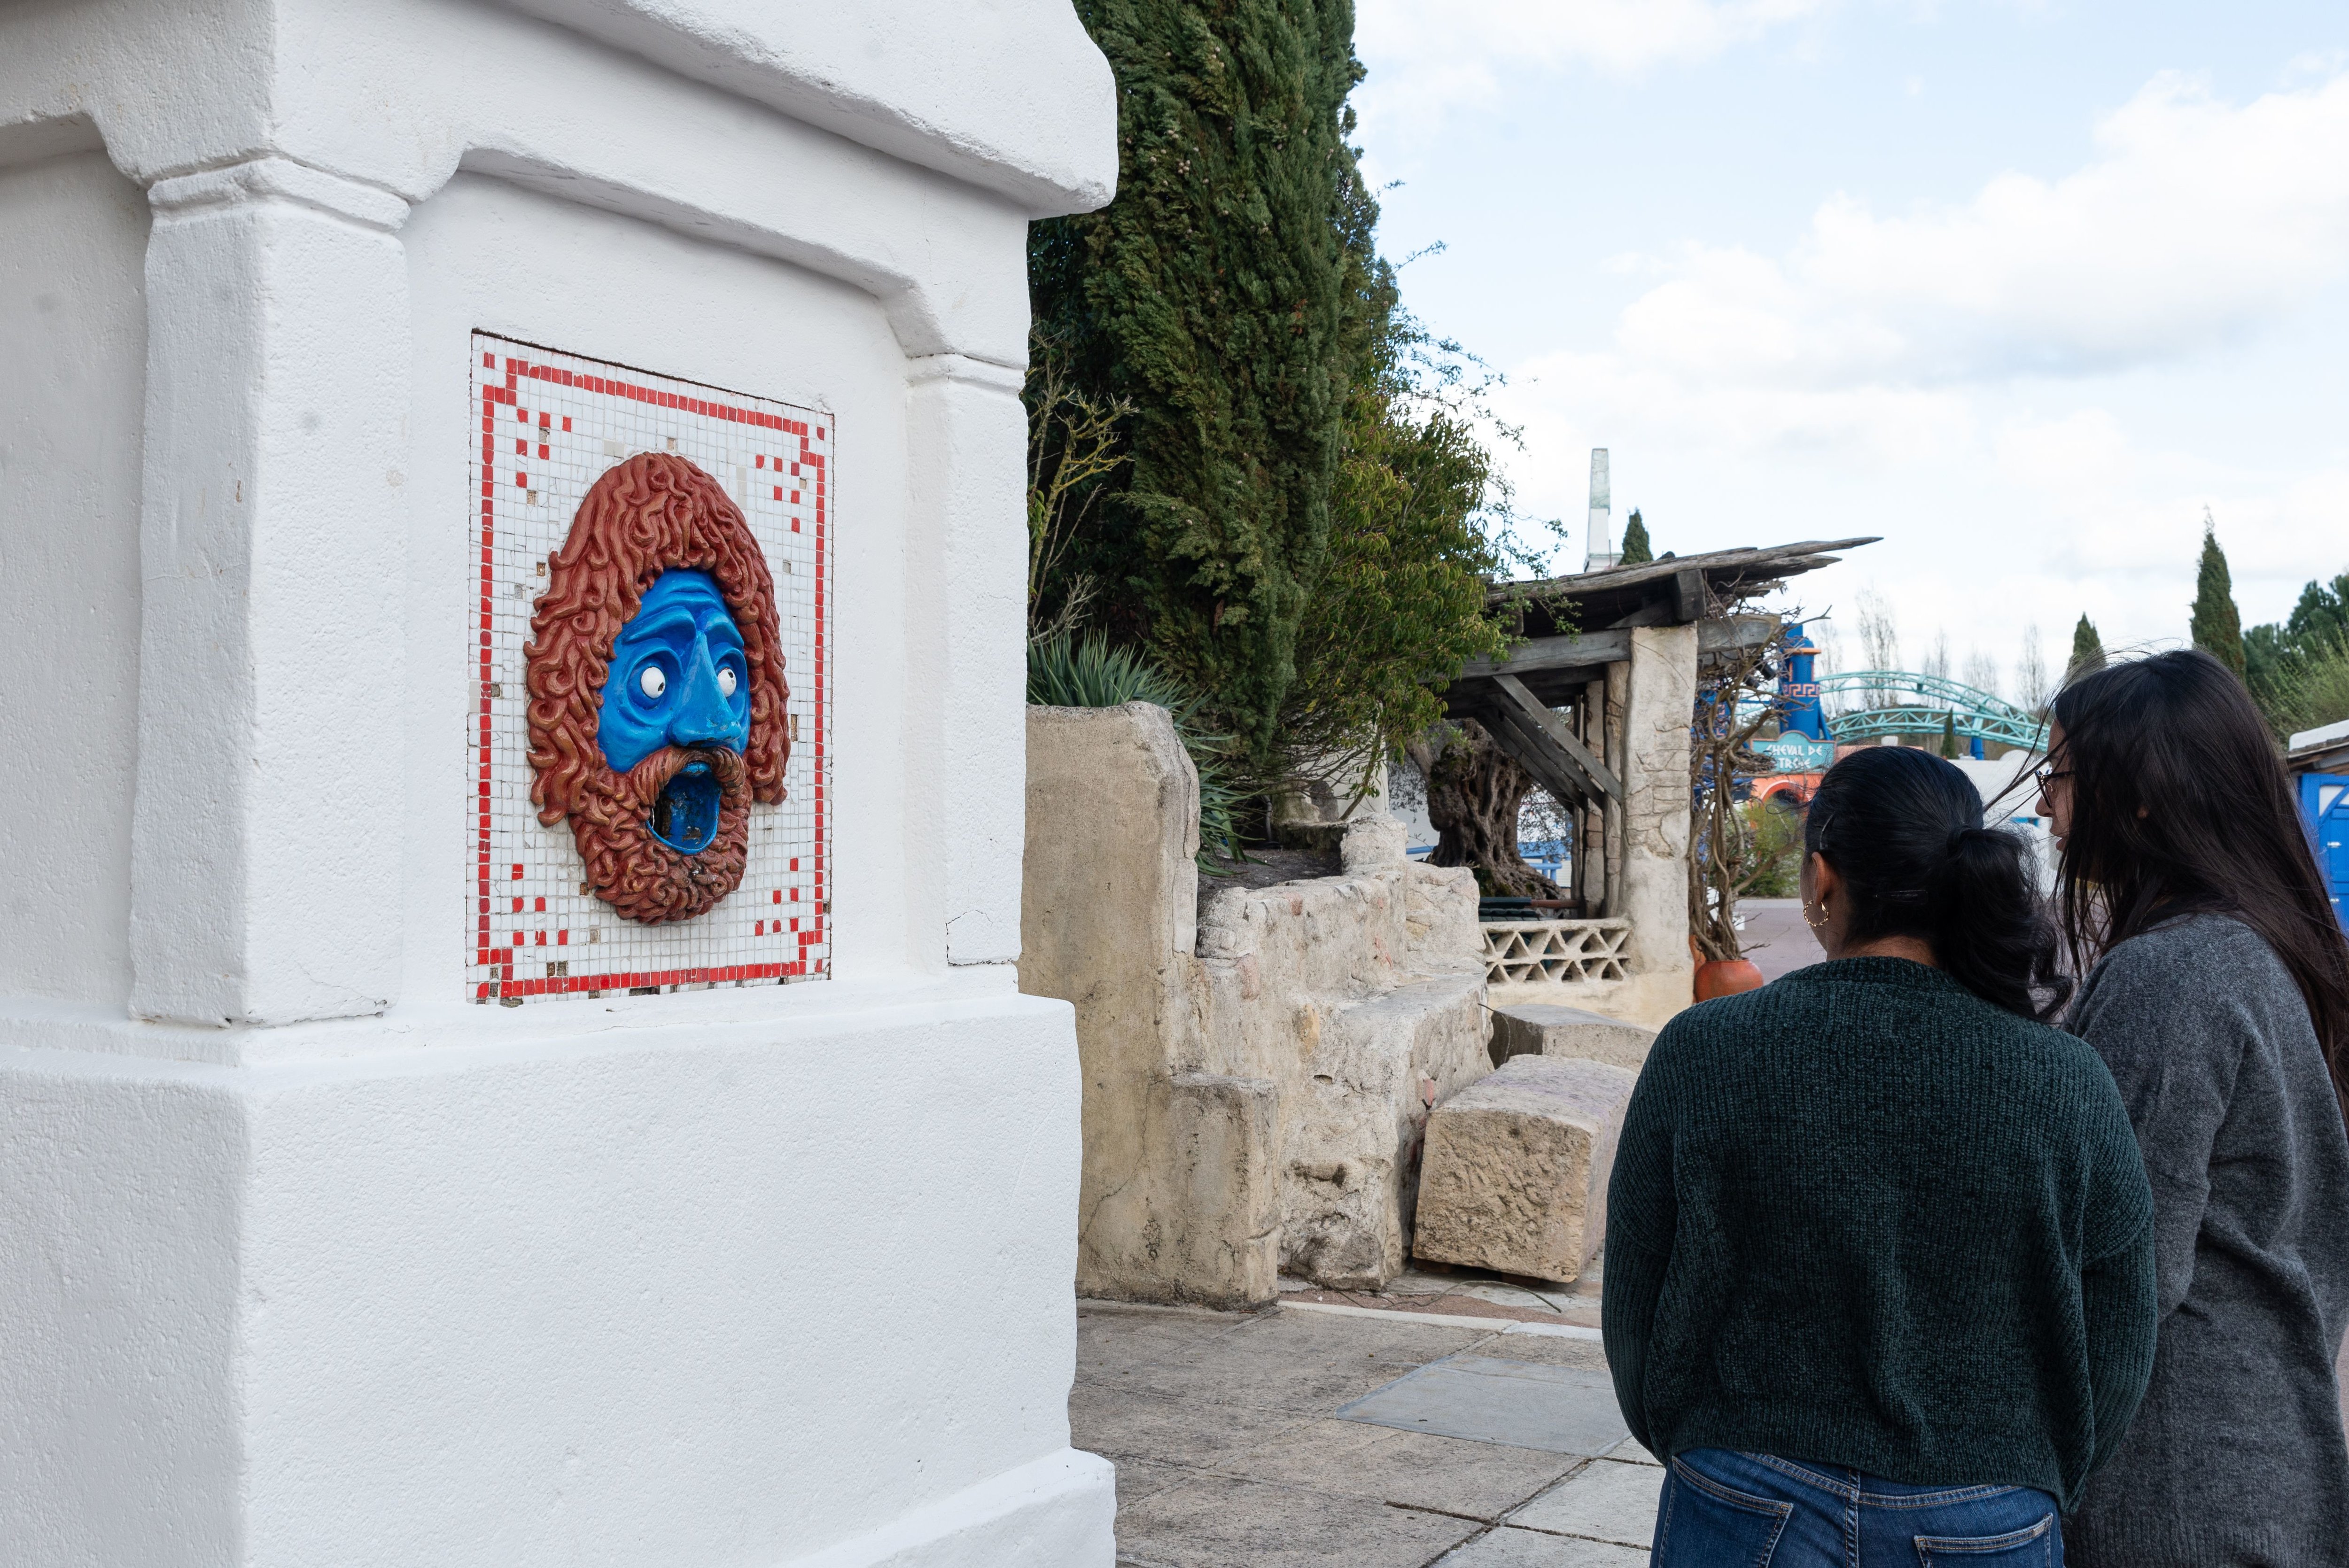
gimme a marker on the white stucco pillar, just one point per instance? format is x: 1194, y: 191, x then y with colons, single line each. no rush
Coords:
x: 326, y: 1237
x: 1660, y: 700
x: 966, y: 505
x: 267, y: 822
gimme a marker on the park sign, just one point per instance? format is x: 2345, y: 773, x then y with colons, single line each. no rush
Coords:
x: 1797, y: 754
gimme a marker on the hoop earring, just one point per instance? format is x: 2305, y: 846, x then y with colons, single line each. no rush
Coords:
x: 1818, y: 924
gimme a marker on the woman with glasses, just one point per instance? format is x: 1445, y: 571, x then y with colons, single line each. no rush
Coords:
x: 2219, y: 999
x: 1879, y: 1252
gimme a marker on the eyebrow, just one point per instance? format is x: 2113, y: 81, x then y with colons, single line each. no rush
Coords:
x: 664, y: 623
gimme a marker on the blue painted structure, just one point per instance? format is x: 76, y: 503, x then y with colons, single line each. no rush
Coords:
x: 1554, y: 858
x: 2324, y: 801
x: 1898, y: 702
x: 1798, y: 687
x: 1904, y: 702
x: 677, y: 679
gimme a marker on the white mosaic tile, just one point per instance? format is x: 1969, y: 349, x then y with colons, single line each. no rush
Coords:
x: 550, y: 425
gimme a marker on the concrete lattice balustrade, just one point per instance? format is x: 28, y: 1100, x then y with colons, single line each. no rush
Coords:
x: 1558, y: 952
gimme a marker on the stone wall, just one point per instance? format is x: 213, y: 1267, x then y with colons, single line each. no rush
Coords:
x: 1257, y: 1069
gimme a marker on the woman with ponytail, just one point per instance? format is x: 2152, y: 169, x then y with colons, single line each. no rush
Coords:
x: 1879, y: 1283
x: 2219, y: 996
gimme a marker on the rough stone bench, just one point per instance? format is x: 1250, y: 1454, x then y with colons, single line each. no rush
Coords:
x: 1514, y: 1178
x: 1538, y: 1029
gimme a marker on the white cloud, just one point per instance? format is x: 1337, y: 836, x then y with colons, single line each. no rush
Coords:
x: 1425, y: 58
x: 1963, y: 379
x: 2196, y: 221
x: 1873, y: 342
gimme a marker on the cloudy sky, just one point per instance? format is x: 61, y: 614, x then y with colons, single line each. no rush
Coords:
x: 2021, y: 286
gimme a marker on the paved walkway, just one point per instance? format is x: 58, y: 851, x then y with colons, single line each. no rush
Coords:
x: 1319, y: 1433
x: 1775, y: 936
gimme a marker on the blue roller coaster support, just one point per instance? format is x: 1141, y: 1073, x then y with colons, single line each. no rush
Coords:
x: 1798, y: 689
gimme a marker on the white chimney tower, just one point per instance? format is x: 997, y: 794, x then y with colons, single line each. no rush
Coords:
x: 1601, y: 552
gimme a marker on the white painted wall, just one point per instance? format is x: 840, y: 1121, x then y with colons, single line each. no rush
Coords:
x: 73, y: 337
x: 305, y: 1260
x: 484, y: 253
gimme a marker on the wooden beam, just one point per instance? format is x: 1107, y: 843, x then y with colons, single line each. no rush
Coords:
x: 1548, y: 721
x: 1728, y: 634
x: 1591, y: 650
x: 1688, y: 595
x: 1784, y: 560
x: 1552, y: 769
x: 1597, y: 650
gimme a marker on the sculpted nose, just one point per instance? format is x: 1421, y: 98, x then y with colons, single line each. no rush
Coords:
x: 702, y: 716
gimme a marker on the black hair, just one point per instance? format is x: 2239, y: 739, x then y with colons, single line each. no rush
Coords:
x: 2180, y: 805
x: 1904, y: 830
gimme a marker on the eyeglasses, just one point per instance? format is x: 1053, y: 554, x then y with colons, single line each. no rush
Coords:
x: 2046, y: 773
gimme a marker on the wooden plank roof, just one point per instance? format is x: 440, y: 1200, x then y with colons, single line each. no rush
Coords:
x: 1677, y: 589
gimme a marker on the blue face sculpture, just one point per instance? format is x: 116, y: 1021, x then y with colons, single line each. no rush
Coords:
x: 678, y: 679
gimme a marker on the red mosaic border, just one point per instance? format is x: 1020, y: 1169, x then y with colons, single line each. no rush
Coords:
x: 503, y: 958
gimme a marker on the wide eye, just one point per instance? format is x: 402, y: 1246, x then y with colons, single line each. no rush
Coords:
x: 652, y: 682
x: 726, y: 680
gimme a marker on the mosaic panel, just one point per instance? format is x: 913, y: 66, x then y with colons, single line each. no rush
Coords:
x: 551, y: 424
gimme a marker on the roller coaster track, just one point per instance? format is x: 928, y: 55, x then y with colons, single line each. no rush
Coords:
x: 1904, y: 702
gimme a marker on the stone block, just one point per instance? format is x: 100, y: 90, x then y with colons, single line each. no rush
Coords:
x: 1535, y: 1029
x: 1354, y: 1125
x: 1372, y: 843
x: 1516, y: 1172
x: 1439, y: 915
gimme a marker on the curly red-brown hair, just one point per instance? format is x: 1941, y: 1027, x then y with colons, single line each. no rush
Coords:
x: 655, y: 512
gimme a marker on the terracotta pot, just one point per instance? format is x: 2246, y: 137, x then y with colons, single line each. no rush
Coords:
x: 1726, y: 977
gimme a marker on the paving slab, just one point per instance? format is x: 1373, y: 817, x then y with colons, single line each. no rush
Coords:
x: 1631, y: 1454
x: 1299, y: 1361
x: 1412, y: 1469
x: 1111, y: 1343
x: 1138, y: 1478
x: 1508, y: 1547
x: 1608, y: 1500
x: 1521, y: 1404
x: 1587, y: 1354
x: 1121, y: 1424
x: 1220, y: 1521
x: 1223, y: 1431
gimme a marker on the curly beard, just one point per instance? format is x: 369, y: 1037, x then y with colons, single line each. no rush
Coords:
x: 630, y: 868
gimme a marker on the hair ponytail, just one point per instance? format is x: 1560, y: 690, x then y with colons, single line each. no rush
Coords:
x: 1990, y: 932
x: 1904, y: 830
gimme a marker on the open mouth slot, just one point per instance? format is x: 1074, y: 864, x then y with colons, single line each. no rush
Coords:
x: 685, y: 817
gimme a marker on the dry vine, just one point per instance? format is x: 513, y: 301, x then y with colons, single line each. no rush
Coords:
x: 1723, y: 862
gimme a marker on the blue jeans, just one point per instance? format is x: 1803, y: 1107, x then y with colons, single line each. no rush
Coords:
x: 1726, y: 1510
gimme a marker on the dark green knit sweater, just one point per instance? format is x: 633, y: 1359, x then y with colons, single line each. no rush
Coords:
x: 1863, y: 1217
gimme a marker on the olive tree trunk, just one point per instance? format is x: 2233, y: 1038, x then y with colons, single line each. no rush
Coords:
x: 1473, y: 794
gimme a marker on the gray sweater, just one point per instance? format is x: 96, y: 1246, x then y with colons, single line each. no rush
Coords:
x: 2237, y: 1455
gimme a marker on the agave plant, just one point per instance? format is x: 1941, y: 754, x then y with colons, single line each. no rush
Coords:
x: 1069, y: 671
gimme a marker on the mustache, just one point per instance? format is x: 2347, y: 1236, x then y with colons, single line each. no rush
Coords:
x: 643, y: 784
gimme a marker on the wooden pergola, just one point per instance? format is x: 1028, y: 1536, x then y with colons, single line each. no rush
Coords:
x: 1555, y: 702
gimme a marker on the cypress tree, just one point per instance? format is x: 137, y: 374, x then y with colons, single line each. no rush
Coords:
x: 1637, y: 551
x: 1226, y: 295
x: 1950, y: 735
x: 2217, y: 628
x: 2087, y: 651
